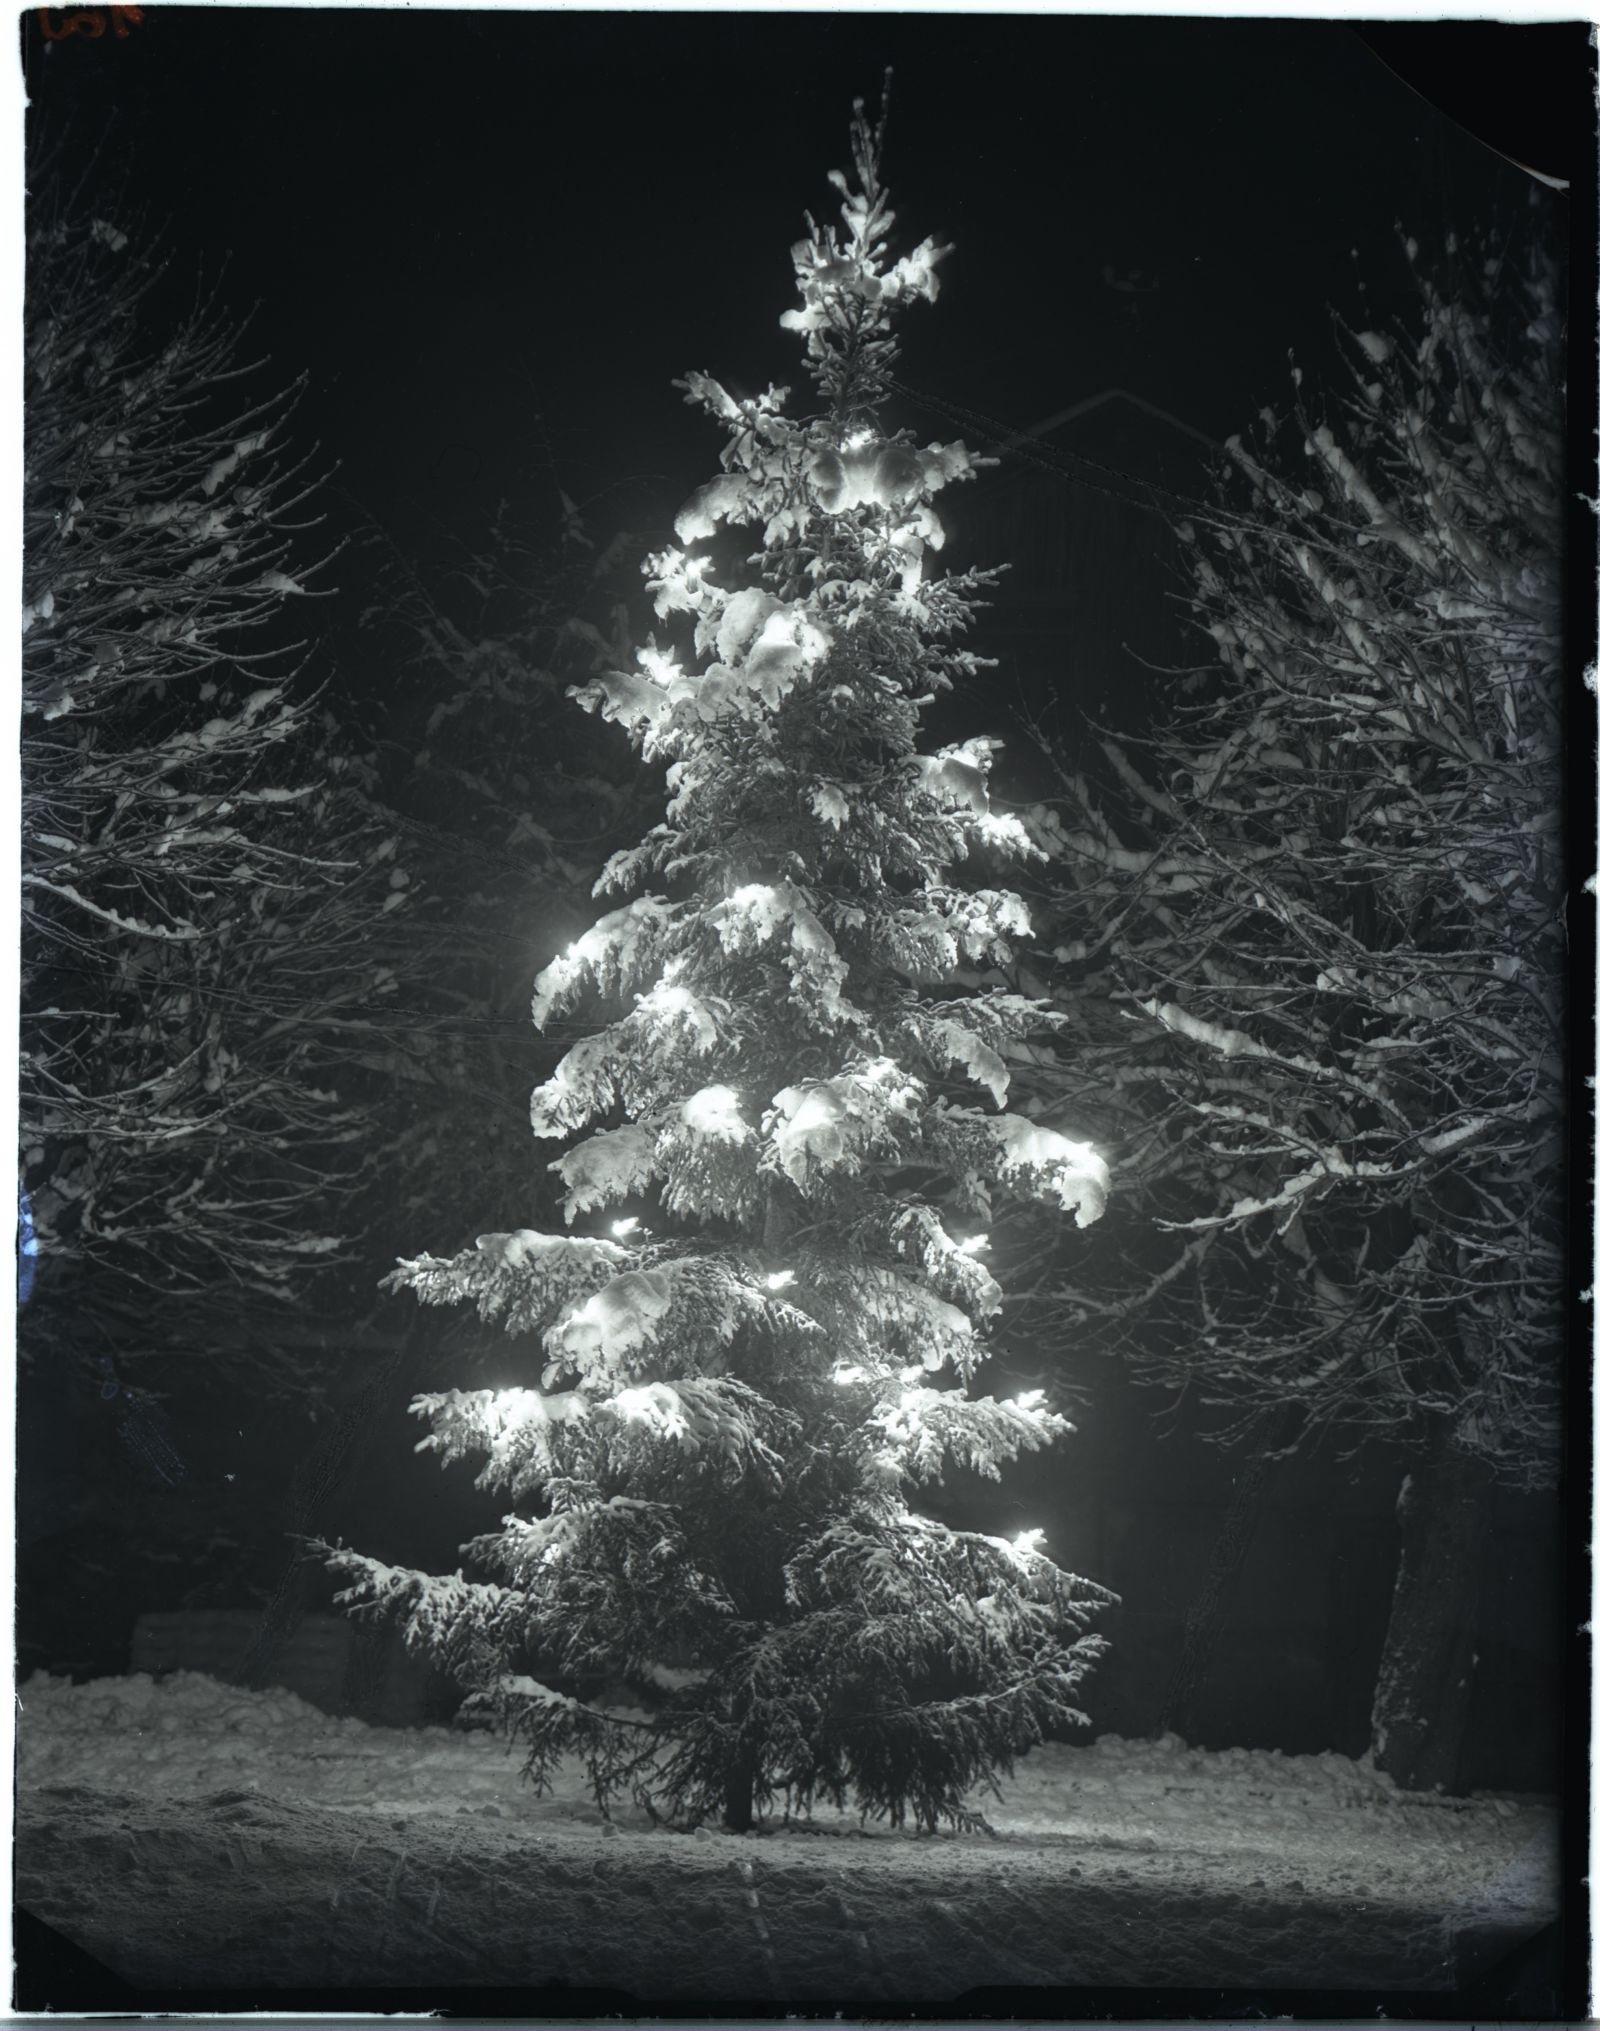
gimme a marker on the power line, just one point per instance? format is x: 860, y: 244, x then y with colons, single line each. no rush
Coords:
x: 1014, y: 442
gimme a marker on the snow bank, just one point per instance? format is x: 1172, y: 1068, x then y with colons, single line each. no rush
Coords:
x: 1316, y: 1824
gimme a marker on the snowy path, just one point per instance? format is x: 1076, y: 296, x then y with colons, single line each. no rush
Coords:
x: 184, y: 1830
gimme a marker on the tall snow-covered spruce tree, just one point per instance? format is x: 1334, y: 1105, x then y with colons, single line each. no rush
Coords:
x: 735, y: 1408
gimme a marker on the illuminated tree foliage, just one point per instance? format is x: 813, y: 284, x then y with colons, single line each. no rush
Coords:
x: 1316, y: 940
x: 727, y: 1416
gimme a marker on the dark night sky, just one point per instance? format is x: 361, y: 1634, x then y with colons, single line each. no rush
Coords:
x: 485, y: 232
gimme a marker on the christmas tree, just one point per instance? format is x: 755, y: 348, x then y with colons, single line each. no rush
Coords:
x: 733, y: 1411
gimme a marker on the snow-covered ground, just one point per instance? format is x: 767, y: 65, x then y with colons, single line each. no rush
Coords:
x: 155, y: 1816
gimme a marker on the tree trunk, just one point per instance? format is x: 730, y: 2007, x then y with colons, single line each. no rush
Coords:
x: 1206, y: 1611
x: 782, y: 1216
x: 329, y: 1463
x: 1424, y: 1690
x: 739, y: 1798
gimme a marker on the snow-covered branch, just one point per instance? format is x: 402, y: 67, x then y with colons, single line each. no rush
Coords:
x: 1310, y: 932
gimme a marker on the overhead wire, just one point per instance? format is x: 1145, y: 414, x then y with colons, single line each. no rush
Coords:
x: 1026, y: 445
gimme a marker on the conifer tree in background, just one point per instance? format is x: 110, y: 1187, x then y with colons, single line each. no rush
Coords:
x: 510, y: 803
x: 733, y: 1410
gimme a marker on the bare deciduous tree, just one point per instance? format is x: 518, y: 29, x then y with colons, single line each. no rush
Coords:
x: 207, y: 890
x: 1315, y: 937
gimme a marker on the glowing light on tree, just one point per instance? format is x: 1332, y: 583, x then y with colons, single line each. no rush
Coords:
x: 756, y: 1394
